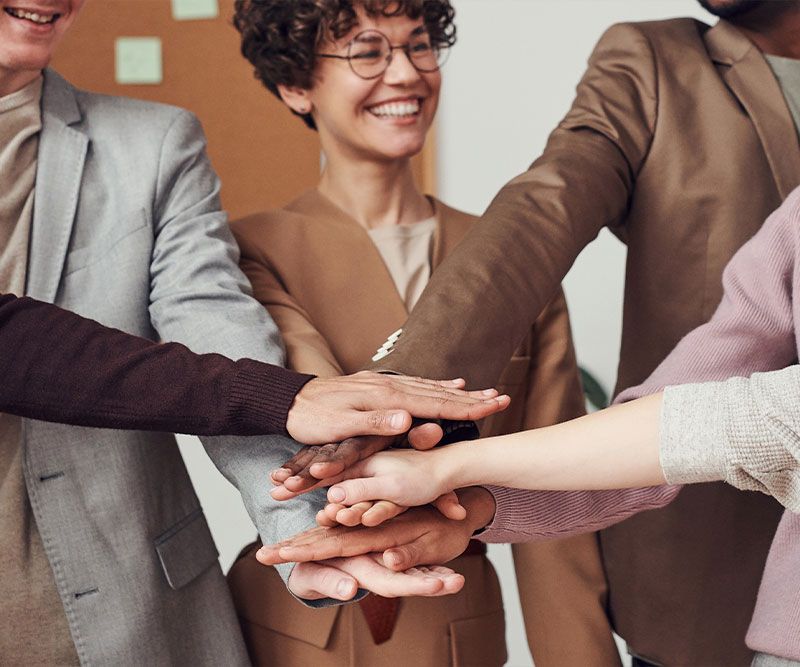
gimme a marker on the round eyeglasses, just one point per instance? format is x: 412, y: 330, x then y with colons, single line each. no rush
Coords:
x: 370, y: 53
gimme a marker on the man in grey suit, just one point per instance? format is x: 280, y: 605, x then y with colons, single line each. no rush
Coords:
x: 110, y: 208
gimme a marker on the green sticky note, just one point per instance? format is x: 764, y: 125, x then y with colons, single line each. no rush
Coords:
x: 138, y: 60
x: 193, y: 10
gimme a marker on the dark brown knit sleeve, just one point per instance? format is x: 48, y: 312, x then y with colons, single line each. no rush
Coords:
x: 58, y: 366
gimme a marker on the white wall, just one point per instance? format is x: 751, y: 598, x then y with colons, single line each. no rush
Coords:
x: 509, y: 80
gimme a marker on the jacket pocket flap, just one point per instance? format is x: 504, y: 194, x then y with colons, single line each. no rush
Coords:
x: 261, y: 598
x: 186, y: 550
x: 79, y: 258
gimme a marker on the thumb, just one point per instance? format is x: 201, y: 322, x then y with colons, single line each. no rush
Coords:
x: 352, y: 491
x: 269, y: 555
x: 449, y: 505
x: 381, y: 422
x: 403, y: 557
x: 425, y: 435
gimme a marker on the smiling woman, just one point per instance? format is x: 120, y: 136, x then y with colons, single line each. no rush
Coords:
x: 30, y: 30
x: 339, y: 268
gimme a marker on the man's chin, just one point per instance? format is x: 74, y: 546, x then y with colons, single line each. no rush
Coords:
x: 726, y: 9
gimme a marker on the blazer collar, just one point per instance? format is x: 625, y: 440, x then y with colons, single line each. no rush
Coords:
x: 370, y: 298
x: 318, y: 207
x: 62, y: 153
x: 748, y: 75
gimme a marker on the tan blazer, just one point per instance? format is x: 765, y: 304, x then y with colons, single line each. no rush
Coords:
x: 681, y: 142
x: 324, y: 283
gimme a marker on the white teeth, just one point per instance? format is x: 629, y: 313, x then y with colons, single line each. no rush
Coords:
x: 31, y: 16
x: 396, y: 109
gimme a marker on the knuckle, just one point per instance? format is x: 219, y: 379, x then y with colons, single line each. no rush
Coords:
x: 327, y: 452
x: 375, y: 420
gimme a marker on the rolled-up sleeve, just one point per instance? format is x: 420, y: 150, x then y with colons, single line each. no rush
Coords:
x: 745, y: 431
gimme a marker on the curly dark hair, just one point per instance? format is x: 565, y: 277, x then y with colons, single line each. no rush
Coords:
x: 281, y: 37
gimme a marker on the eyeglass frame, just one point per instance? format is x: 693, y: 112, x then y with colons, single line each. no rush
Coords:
x: 392, y: 48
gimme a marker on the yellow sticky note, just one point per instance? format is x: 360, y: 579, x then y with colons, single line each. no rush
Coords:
x: 193, y: 10
x: 138, y: 60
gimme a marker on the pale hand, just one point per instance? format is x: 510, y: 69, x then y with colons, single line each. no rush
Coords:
x: 330, y: 410
x: 340, y: 579
x: 373, y: 513
x: 404, y: 477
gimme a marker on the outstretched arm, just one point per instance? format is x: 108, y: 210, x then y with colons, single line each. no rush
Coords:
x: 65, y: 368
x: 744, y: 431
x: 612, y: 449
x: 58, y: 366
x: 483, y: 299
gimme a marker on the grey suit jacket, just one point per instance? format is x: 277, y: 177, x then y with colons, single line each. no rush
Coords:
x: 127, y: 230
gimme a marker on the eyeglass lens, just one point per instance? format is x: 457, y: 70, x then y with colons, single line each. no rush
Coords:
x: 370, y: 53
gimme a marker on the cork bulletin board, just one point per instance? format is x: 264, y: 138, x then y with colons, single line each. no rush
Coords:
x: 263, y: 154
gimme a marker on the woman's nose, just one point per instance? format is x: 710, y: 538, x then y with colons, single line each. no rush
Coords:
x: 400, y: 69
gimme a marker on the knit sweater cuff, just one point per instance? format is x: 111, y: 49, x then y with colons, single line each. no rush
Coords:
x: 261, y: 396
x: 499, y: 530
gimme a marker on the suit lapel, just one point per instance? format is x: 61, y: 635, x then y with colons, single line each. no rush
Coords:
x: 749, y: 77
x: 62, y: 152
x: 353, y: 297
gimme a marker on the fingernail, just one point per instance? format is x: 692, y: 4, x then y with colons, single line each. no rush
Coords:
x: 489, y: 392
x: 261, y: 553
x: 391, y: 559
x: 336, y: 495
x: 396, y: 420
x: 343, y: 588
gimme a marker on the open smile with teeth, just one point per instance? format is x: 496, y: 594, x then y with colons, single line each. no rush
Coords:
x: 405, y: 109
x: 34, y: 17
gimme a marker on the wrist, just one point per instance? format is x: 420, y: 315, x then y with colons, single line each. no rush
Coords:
x: 448, y: 467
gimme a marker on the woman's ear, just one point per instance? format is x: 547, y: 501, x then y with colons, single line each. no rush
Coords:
x: 295, y: 98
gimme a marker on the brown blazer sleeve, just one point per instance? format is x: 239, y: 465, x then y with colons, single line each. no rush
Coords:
x: 486, y: 295
x: 58, y: 366
x: 562, y: 584
x: 306, y: 349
